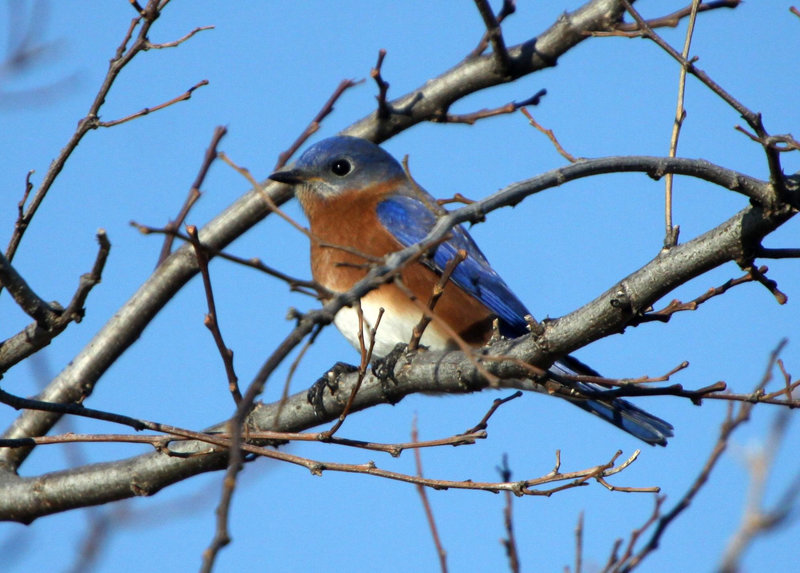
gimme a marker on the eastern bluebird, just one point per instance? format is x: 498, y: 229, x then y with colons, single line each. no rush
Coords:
x: 357, y: 196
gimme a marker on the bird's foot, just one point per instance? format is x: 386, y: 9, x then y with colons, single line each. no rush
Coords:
x: 329, y: 381
x: 383, y: 369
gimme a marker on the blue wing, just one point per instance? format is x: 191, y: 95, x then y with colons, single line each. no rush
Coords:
x: 410, y: 220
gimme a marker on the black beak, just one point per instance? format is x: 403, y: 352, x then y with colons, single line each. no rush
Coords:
x: 288, y: 176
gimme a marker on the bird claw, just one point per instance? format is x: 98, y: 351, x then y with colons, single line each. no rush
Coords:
x: 383, y: 370
x: 330, y: 380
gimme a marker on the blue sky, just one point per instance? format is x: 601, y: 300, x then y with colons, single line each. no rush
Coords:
x: 270, y: 67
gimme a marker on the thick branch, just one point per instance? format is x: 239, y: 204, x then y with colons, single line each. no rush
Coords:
x: 432, y: 100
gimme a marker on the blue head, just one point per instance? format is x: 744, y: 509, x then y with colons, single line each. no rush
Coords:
x: 338, y: 164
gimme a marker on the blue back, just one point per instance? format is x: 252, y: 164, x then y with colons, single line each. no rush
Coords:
x: 410, y: 220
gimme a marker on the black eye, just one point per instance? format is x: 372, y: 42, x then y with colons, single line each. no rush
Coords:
x: 341, y: 167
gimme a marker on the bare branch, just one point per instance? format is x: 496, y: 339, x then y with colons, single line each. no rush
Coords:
x: 633, y: 30
x: 729, y: 241
x: 551, y: 136
x: 769, y: 284
x: 495, y: 36
x: 19, y: 403
x: 508, y: 8
x: 471, y: 118
x: 51, y: 318
x: 366, y: 358
x: 91, y: 121
x: 752, y: 118
x: 749, y: 227
x: 210, y: 320
x: 187, y: 95
x: 756, y: 520
x: 671, y: 233
x: 510, y: 542
x: 194, y: 192
x: 664, y: 314
x: 423, y: 495
x: 45, y: 314
x: 438, y: 290
x: 313, y: 127
x: 161, y: 441
x: 457, y: 198
x: 780, y: 143
x: 732, y: 421
x: 310, y: 288
x: 384, y: 109
x: 179, y: 41
x: 764, y: 253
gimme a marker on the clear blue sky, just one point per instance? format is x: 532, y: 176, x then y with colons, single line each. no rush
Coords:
x: 270, y: 67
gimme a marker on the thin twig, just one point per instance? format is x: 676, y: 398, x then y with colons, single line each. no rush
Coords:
x: 766, y: 253
x: 731, y: 423
x: 194, y: 193
x: 457, y: 198
x: 484, y: 423
x: 423, y: 495
x: 508, y: 8
x: 292, y: 369
x: 671, y: 234
x: 511, y: 107
x: 366, y: 358
x: 44, y: 313
x: 752, y: 118
x: 519, y: 488
x: 633, y: 30
x: 384, y: 109
x: 438, y: 290
x: 462, y: 344
x: 658, y: 501
x: 211, y: 320
x: 579, y: 544
x: 664, y: 314
x: 510, y: 541
x: 769, y: 284
x: 551, y: 136
x: 19, y: 403
x: 179, y: 41
x: 495, y: 36
x: 780, y: 143
x: 313, y: 127
x: 90, y: 121
x: 310, y: 288
x: 160, y: 441
x: 187, y: 95
x: 50, y: 319
x: 25, y: 194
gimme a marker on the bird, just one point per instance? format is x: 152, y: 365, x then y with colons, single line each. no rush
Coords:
x: 361, y: 206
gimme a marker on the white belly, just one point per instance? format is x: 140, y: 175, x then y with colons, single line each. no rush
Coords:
x: 396, y: 326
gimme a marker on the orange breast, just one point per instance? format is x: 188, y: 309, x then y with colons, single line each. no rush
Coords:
x: 350, y: 220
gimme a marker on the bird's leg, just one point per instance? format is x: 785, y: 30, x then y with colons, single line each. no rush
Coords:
x: 383, y: 369
x: 330, y: 380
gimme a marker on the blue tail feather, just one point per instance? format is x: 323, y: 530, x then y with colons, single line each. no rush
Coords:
x: 621, y: 413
